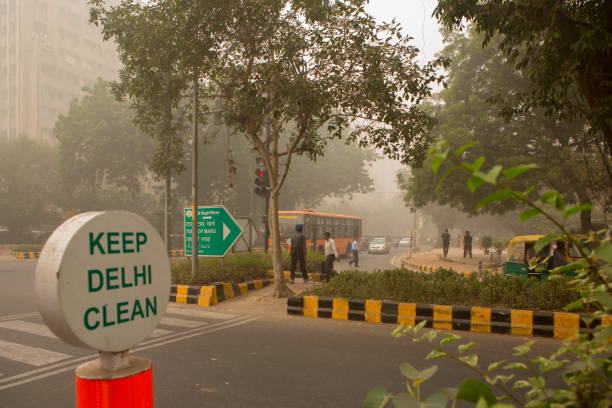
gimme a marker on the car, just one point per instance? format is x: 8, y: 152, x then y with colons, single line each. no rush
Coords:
x: 404, y: 242
x: 379, y: 246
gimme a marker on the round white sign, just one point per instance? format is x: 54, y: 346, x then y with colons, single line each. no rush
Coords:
x: 103, y: 280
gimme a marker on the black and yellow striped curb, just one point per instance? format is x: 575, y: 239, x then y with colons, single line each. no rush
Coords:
x: 559, y: 325
x: 25, y: 255
x: 313, y: 276
x: 177, y: 252
x: 210, y: 295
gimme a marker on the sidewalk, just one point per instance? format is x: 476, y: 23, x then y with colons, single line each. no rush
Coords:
x: 455, y: 259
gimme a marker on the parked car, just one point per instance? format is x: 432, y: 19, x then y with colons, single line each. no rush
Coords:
x: 404, y: 242
x: 379, y: 246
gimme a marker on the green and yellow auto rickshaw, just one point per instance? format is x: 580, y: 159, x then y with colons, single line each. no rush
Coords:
x: 521, y: 250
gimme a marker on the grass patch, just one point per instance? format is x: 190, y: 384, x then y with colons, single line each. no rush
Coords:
x: 237, y: 268
x: 26, y: 247
x: 447, y: 288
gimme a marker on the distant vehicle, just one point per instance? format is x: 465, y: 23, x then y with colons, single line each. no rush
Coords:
x: 404, y: 242
x: 343, y: 229
x: 379, y: 246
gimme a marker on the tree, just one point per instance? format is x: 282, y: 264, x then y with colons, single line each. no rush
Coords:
x: 103, y: 158
x: 28, y: 174
x: 564, y: 47
x: 465, y: 112
x: 291, y: 75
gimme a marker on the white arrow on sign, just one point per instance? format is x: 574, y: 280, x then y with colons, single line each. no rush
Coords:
x: 226, y: 231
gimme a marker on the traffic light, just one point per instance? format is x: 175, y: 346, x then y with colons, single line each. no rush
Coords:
x: 262, y: 184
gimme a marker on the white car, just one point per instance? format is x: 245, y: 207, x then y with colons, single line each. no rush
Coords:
x: 379, y: 246
x: 404, y: 242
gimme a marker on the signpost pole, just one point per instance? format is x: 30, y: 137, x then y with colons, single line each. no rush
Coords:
x: 194, y: 179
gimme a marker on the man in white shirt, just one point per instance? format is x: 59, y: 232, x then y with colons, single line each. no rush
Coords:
x: 355, y: 251
x: 331, y: 254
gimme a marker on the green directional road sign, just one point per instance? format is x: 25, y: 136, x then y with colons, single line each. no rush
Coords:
x: 217, y: 231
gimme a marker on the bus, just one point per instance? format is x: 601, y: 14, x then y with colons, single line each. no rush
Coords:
x: 343, y: 229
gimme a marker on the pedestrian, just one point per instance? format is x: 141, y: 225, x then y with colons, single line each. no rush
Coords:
x: 446, y: 238
x: 298, y: 253
x: 355, y: 251
x: 331, y: 254
x: 467, y: 244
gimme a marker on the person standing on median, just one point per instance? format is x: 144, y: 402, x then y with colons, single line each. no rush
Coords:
x: 355, y: 251
x: 331, y: 254
x: 298, y: 253
x: 467, y: 244
x: 446, y: 242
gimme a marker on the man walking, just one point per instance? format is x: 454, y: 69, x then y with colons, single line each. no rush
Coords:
x: 298, y: 253
x: 467, y: 244
x: 331, y: 254
x: 445, y: 242
x: 355, y: 251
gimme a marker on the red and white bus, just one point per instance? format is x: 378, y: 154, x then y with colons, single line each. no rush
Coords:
x: 343, y: 229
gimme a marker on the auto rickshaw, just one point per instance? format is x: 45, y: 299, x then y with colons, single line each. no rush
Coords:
x: 521, y: 250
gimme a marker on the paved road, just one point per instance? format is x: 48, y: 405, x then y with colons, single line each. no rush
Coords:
x: 244, y: 352
x: 371, y: 262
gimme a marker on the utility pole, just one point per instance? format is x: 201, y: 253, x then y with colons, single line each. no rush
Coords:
x: 194, y: 179
x: 167, y: 201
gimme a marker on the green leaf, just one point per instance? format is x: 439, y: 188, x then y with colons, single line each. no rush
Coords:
x: 559, y: 203
x: 474, y: 182
x: 545, y: 240
x: 446, y: 174
x: 471, y: 360
x: 449, y: 338
x: 459, y: 151
x: 436, y: 400
x: 513, y: 172
x: 495, y: 365
x: 478, y: 163
x: 451, y: 393
x: 523, y: 348
x: 574, y: 305
x: 520, y: 384
x: 429, y: 372
x: 529, y: 213
x: 436, y: 162
x: 419, y: 326
x: 471, y: 390
x: 491, y: 176
x: 377, y: 398
x: 405, y: 400
x: 430, y: 335
x: 409, y: 371
x: 465, y: 347
x: 515, y: 366
x: 496, y: 196
x: 604, y: 298
x: 603, y: 334
x: 482, y: 403
x: 549, y: 197
x: 436, y: 354
x: 604, y: 253
x: 577, y: 208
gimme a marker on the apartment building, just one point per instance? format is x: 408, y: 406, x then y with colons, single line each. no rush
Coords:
x: 48, y: 52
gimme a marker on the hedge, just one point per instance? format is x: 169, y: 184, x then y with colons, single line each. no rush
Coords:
x: 448, y: 288
x: 237, y: 268
x: 26, y: 247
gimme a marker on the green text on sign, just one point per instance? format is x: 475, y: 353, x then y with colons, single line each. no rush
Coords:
x: 217, y: 231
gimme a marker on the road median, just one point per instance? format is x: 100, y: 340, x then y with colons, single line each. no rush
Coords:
x: 210, y: 295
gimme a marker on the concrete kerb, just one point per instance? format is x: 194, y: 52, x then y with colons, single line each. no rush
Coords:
x: 24, y: 255
x: 559, y: 325
x: 210, y: 295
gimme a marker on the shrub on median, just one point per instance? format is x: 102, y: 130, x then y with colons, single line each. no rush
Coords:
x: 26, y: 248
x: 237, y: 268
x: 447, y: 287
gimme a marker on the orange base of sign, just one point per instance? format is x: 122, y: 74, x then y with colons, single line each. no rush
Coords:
x: 135, y: 391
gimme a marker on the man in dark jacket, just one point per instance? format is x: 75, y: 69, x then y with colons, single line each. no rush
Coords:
x: 446, y: 242
x: 298, y: 253
x: 467, y: 244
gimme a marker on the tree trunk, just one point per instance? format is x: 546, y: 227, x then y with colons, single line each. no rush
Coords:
x: 585, y: 216
x: 280, y: 289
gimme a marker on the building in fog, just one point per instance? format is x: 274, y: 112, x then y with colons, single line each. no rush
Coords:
x: 48, y: 52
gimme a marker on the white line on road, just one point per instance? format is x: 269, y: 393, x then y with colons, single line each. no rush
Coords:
x: 34, y: 356
x: 72, y: 364
x: 171, y: 321
x: 160, y: 332
x: 18, y: 316
x: 28, y: 327
x: 199, y: 313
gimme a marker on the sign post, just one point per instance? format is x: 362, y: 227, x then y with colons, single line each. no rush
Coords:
x: 217, y: 230
x: 103, y: 282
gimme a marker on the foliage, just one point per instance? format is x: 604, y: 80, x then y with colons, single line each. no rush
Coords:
x: 500, y: 244
x: 563, y: 47
x: 465, y: 113
x: 290, y: 76
x: 486, y: 242
x: 235, y: 268
x: 446, y: 287
x: 28, y: 174
x: 26, y: 247
x: 582, y: 363
x: 313, y: 261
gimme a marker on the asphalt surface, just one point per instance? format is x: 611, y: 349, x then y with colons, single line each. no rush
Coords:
x: 247, y: 353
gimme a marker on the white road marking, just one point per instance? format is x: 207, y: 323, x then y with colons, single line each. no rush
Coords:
x: 199, y: 313
x: 28, y: 327
x: 29, y: 355
x: 160, y: 332
x: 171, y: 321
x: 72, y: 364
x: 18, y: 316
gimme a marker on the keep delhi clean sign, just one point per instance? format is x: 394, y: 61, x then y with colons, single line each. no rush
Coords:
x: 103, y: 280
